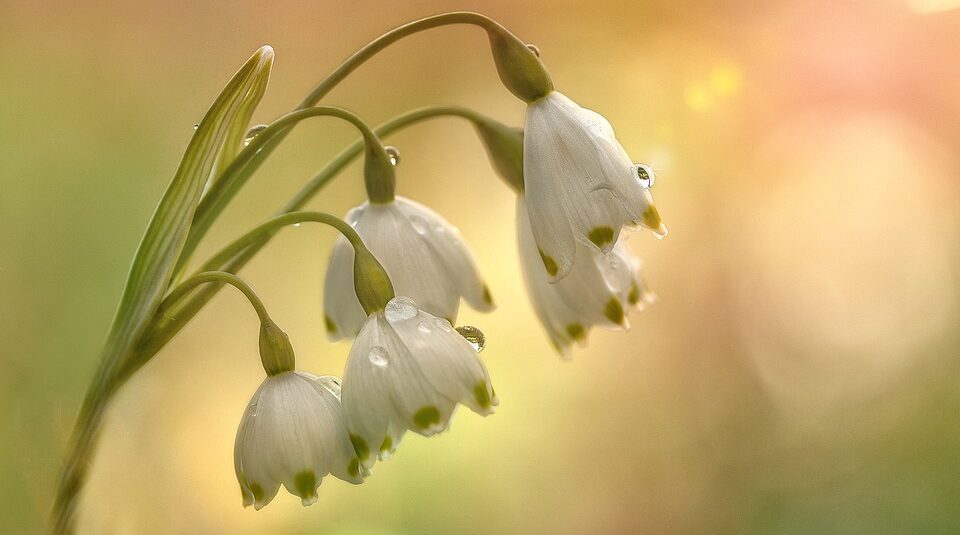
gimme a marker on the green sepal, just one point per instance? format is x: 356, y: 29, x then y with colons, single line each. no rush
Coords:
x: 379, y: 174
x: 504, y: 146
x: 370, y: 280
x: 276, y: 351
x: 520, y: 70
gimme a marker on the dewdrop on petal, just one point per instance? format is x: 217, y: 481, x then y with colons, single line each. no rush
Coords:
x: 407, y: 371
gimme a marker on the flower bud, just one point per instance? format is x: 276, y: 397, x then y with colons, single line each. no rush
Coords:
x: 276, y: 352
x: 370, y: 281
x: 519, y: 68
x: 504, y: 146
x: 379, y: 174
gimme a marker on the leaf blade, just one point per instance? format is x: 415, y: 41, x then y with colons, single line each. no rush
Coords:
x: 152, y: 269
x: 163, y: 240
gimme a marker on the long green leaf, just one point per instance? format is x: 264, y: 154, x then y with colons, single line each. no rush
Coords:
x: 153, y: 265
x: 162, y: 243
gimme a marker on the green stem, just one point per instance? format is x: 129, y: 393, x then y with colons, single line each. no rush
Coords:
x: 379, y: 175
x: 151, y: 272
x: 270, y: 227
x: 347, y: 155
x: 276, y: 352
x: 371, y: 282
x: 186, y: 286
x: 387, y: 39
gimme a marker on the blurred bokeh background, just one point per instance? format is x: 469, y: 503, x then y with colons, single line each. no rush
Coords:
x: 798, y: 375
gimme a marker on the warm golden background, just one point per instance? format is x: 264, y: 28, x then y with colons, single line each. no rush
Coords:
x: 799, y: 374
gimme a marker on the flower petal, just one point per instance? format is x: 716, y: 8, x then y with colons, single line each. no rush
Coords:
x: 417, y: 404
x: 343, y: 462
x: 451, y: 251
x: 448, y: 362
x: 598, y: 289
x: 292, y: 433
x: 366, y: 395
x: 343, y: 314
x: 580, y: 183
x: 409, y: 261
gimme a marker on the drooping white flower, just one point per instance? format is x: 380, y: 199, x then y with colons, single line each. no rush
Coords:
x: 598, y: 289
x: 408, y: 370
x: 581, y: 186
x: 424, y: 255
x: 293, y: 433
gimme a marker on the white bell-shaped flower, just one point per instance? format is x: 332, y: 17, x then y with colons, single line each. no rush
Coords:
x: 408, y: 370
x: 424, y: 255
x: 598, y: 290
x: 293, y: 433
x: 581, y: 186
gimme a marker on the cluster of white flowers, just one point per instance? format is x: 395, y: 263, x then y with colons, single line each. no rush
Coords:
x: 395, y: 278
x: 580, y: 190
x: 409, y: 368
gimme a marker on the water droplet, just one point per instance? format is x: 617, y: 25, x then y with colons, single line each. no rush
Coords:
x: 644, y: 174
x: 196, y: 126
x: 331, y: 383
x: 443, y: 324
x: 419, y: 223
x: 534, y: 49
x: 378, y: 356
x: 424, y: 327
x: 443, y: 229
x: 252, y: 409
x: 297, y: 224
x: 252, y: 133
x: 393, y: 153
x: 474, y: 336
x: 400, y: 308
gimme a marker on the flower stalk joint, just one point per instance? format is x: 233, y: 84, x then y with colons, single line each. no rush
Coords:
x: 276, y: 352
x: 370, y: 281
x: 504, y: 146
x: 520, y: 70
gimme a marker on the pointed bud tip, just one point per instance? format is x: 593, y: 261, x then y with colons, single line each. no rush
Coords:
x: 520, y: 69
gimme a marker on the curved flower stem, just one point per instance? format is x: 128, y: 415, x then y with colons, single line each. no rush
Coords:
x: 387, y: 39
x: 164, y: 328
x: 346, y: 156
x: 379, y: 173
x: 271, y: 226
x: 186, y: 286
x: 267, y: 230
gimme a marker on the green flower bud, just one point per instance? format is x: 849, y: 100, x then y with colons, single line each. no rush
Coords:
x: 370, y: 281
x: 276, y: 352
x: 519, y: 68
x: 379, y: 175
x: 504, y: 146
